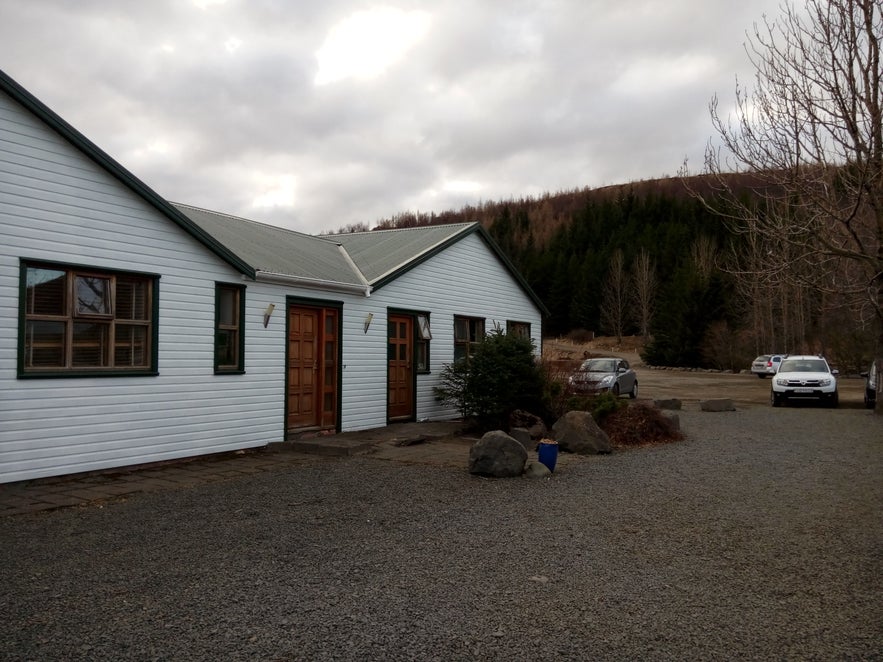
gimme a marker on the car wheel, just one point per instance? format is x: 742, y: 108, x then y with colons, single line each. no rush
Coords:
x: 634, y: 392
x: 761, y: 375
x: 615, y: 389
x: 833, y: 400
x: 775, y: 400
x: 869, y: 400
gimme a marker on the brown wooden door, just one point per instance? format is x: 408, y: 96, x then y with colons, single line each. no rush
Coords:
x: 313, y: 351
x: 400, y: 371
x: 303, y: 328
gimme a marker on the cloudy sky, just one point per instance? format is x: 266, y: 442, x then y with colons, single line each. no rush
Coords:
x: 315, y: 114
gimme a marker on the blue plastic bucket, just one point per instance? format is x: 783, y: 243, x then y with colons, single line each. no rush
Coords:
x: 548, y: 455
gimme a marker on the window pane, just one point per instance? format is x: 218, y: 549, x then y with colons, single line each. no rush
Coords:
x: 130, y: 349
x: 423, y: 327
x: 476, y: 330
x: 391, y: 328
x: 422, y: 351
x: 330, y: 325
x: 89, y: 348
x: 131, y: 299
x: 461, y: 328
x: 227, y: 347
x: 460, y: 352
x: 46, y: 290
x: 44, y: 345
x: 92, y: 295
x: 229, y: 310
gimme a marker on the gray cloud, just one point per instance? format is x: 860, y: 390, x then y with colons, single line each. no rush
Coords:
x: 215, y: 103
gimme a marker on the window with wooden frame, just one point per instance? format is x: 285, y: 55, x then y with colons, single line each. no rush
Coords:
x: 518, y: 329
x: 229, y: 328
x: 468, y: 332
x: 424, y: 335
x: 81, y: 321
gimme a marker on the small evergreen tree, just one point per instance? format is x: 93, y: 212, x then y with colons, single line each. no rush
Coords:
x: 500, y: 376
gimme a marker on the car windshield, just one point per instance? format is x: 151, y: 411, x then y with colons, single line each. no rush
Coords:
x: 599, y: 365
x: 803, y: 365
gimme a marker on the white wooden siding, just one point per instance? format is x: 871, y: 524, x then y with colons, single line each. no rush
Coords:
x: 57, y: 205
x: 464, y: 279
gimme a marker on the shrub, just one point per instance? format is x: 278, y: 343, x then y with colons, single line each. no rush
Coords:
x: 639, y: 423
x: 501, y: 375
x: 604, y: 405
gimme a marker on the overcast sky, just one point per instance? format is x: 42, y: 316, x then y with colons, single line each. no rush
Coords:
x: 314, y: 114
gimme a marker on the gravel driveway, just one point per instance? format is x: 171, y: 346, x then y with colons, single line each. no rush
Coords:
x: 759, y: 537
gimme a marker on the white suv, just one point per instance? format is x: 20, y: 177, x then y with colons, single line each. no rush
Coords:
x: 804, y: 378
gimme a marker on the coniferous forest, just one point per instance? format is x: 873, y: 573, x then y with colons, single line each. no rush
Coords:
x: 650, y: 259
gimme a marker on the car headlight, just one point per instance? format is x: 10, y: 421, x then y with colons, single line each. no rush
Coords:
x: 606, y: 380
x: 781, y: 381
x: 825, y: 382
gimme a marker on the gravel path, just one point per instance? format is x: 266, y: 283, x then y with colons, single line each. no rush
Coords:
x: 758, y: 538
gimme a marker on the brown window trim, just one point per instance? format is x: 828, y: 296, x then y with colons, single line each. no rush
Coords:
x: 108, y: 326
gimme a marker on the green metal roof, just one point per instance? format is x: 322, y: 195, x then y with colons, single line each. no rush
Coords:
x: 276, y: 250
x: 352, y: 260
x: 384, y: 253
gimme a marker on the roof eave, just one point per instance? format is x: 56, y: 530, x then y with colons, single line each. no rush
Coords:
x: 313, y: 283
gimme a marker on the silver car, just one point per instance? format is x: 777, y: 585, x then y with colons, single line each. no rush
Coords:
x: 605, y: 374
x: 766, y: 364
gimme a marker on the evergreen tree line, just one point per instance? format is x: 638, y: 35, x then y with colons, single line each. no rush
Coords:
x: 585, y: 254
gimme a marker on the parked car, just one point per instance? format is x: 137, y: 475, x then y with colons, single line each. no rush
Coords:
x: 605, y: 374
x: 804, y: 377
x: 871, y: 386
x: 766, y: 364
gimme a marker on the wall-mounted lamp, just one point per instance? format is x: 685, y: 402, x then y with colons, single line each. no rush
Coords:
x: 267, y: 313
x: 368, y: 321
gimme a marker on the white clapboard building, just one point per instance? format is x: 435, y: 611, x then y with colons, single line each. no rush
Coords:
x: 134, y: 330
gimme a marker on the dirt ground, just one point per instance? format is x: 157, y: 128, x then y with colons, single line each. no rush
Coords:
x: 690, y: 387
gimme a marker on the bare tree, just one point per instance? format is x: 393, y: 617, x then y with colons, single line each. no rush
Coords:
x: 643, y: 279
x: 614, y: 297
x: 811, y: 133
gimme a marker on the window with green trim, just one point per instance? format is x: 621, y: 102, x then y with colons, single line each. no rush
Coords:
x: 86, y: 321
x: 229, y: 328
x: 468, y: 332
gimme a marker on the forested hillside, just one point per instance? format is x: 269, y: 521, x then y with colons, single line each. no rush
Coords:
x: 648, y: 258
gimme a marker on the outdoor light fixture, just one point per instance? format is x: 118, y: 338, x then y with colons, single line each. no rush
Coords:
x: 368, y: 321
x: 267, y: 313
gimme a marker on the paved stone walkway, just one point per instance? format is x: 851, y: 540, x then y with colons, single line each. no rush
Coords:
x: 436, y: 444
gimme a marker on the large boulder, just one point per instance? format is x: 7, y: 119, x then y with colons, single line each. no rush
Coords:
x: 532, y: 423
x: 522, y: 436
x: 577, y: 432
x: 497, y: 454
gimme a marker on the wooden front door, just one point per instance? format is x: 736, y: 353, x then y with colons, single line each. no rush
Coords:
x: 312, y: 368
x: 400, y: 370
